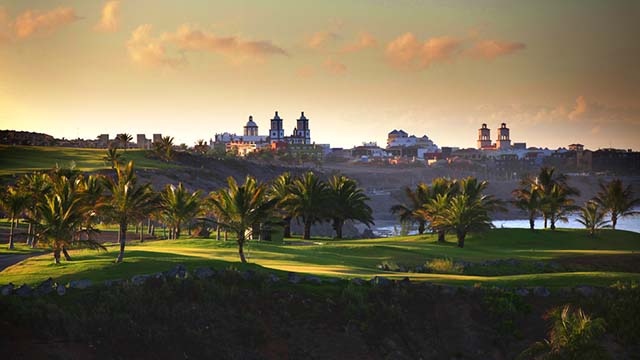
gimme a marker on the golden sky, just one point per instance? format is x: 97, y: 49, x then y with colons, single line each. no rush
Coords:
x: 557, y: 72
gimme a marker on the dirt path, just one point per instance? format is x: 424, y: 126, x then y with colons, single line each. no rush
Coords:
x: 8, y: 260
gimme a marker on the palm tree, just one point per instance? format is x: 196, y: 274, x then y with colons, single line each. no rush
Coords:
x: 617, y: 200
x: 201, y: 147
x: 124, y: 139
x: 349, y: 203
x: 63, y: 213
x: 464, y: 215
x: 308, y: 200
x: 13, y: 202
x: 436, y: 198
x: 592, y: 216
x: 36, y: 186
x: 128, y: 201
x: 527, y: 198
x: 557, y: 204
x: 407, y: 213
x: 178, y: 206
x: 112, y: 156
x: 280, y: 188
x: 544, y: 183
x: 239, y: 207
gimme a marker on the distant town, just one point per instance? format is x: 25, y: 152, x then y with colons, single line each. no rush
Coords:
x: 502, y: 158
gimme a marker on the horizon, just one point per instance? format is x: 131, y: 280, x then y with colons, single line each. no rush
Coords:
x: 556, y: 74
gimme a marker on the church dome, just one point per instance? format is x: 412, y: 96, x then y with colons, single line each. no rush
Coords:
x: 250, y: 123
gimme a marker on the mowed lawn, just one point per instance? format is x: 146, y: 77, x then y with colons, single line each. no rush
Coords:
x: 22, y: 159
x: 350, y: 258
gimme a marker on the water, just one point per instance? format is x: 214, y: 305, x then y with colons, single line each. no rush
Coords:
x: 629, y: 223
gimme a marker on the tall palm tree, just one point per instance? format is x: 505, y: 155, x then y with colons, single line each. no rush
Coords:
x: 436, y: 199
x: 124, y: 139
x: 112, y: 156
x: 308, y: 200
x: 464, y: 215
x: 545, y: 182
x: 527, y: 198
x: 63, y: 213
x: 36, y: 186
x: 592, y: 216
x: 617, y: 200
x: 128, y: 201
x: 13, y: 202
x: 178, y: 206
x: 348, y: 202
x: 280, y: 188
x: 407, y: 212
x: 239, y: 207
x: 167, y: 147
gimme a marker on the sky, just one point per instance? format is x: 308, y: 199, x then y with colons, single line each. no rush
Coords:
x: 556, y: 72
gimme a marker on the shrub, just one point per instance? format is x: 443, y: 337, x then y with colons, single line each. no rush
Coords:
x: 505, y: 308
x: 389, y: 265
x: 444, y: 266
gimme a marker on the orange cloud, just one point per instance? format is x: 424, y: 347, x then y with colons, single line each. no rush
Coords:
x: 321, y: 39
x: 32, y: 21
x: 334, y: 67
x: 491, y: 49
x: 110, y: 18
x: 408, y: 51
x: 365, y: 41
x: 581, y: 108
x: 146, y: 50
x: 188, y: 39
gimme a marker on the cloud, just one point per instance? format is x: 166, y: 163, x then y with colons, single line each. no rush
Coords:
x: 33, y: 21
x: 189, y: 39
x: 146, y: 50
x: 305, y: 71
x: 365, y: 41
x: 407, y: 51
x: 580, y: 109
x: 321, y: 39
x: 5, y: 26
x: 491, y: 49
x: 334, y: 67
x: 110, y: 18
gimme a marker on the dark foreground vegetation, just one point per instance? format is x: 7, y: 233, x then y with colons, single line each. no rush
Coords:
x: 248, y: 315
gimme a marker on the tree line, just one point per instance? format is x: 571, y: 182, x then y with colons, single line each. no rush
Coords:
x: 63, y: 207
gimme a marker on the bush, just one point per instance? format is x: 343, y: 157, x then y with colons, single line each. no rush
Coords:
x: 444, y: 266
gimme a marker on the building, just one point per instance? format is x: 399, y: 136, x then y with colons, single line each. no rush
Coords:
x: 400, y: 139
x: 276, y: 133
x: 301, y: 133
x: 484, y: 137
x: 503, y: 143
x: 142, y: 142
x: 157, y: 138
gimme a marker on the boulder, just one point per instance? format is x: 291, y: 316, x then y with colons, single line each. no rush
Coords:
x: 293, y: 278
x: 204, y: 273
x: 380, y: 281
x: 24, y: 291
x: 541, y: 291
x: 79, y: 284
x: 586, y: 291
x: 139, y: 279
x: 248, y: 274
x: 357, y: 281
x: 61, y: 289
x: 109, y: 283
x: 333, y: 280
x: 179, y: 271
x: 157, y: 276
x: 522, y: 292
x: 45, y: 287
x: 405, y: 282
x: 313, y: 279
x: 6, y: 290
x: 273, y: 278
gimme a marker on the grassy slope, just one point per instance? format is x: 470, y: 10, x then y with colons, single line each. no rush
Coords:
x: 349, y: 258
x: 21, y: 159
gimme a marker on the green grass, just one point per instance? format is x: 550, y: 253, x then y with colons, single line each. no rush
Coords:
x: 22, y: 159
x: 20, y: 249
x: 350, y: 258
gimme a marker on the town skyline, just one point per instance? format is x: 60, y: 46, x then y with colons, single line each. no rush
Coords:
x: 556, y: 73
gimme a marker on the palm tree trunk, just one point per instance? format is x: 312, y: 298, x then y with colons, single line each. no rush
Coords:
x: 11, y: 246
x: 218, y: 232
x: 441, y: 236
x: 34, y: 239
x: 307, y: 230
x: 421, y: 227
x: 226, y: 235
x: 141, y: 231
x: 123, y: 240
x: 545, y: 221
x: 66, y: 254
x: 177, y: 232
x: 532, y: 222
x: 553, y: 222
x: 287, y: 227
x: 56, y: 256
x: 241, y: 247
x: 461, y: 235
x: 29, y: 231
x: 614, y: 220
x: 337, y: 226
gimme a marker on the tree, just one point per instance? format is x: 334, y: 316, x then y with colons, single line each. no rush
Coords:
x: 407, y: 213
x: 544, y: 184
x: 128, y: 201
x: 239, y: 207
x: 124, y: 139
x: 464, y: 215
x: 557, y: 204
x: 592, y: 216
x: 62, y: 213
x: 348, y: 202
x: 617, y: 200
x: 527, y: 198
x: 178, y: 206
x: 308, y: 200
x: 164, y: 148
x: 112, y: 156
x: 13, y: 202
x: 436, y: 199
x: 280, y: 188
x: 201, y: 147
x: 36, y: 186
